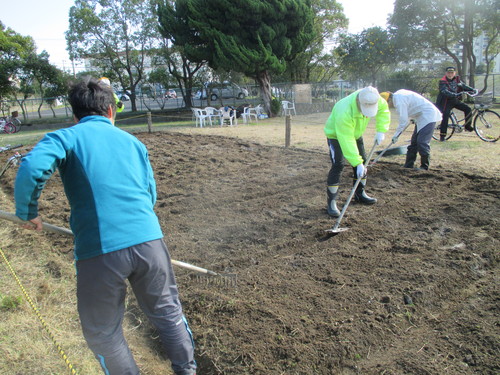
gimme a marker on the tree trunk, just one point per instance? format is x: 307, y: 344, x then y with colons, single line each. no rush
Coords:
x: 264, y: 81
x: 468, y: 40
x: 133, y: 98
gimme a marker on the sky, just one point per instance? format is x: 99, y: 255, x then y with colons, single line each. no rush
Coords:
x: 47, y: 21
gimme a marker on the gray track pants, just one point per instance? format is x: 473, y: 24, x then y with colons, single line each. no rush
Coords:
x: 420, y: 140
x: 101, y: 289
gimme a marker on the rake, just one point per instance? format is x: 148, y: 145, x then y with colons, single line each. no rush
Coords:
x: 207, y: 275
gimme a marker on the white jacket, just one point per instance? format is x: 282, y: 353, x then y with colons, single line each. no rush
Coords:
x: 411, y: 105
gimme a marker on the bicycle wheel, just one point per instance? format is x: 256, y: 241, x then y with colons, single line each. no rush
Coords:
x: 17, y: 124
x: 487, y: 125
x: 9, y: 128
x: 451, y: 129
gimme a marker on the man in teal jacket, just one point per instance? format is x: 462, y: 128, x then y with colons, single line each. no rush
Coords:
x: 109, y: 183
x: 344, y: 131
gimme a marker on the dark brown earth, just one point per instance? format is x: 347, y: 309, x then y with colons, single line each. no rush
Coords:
x: 410, y: 288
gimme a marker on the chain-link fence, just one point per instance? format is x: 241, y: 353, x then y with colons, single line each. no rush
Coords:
x: 308, y: 98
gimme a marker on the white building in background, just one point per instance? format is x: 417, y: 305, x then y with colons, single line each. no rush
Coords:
x: 480, y: 44
x: 435, y: 61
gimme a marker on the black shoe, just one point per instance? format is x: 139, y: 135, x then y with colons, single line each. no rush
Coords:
x: 469, y: 128
x: 442, y: 138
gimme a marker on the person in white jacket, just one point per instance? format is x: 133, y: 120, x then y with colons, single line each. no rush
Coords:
x: 413, y: 106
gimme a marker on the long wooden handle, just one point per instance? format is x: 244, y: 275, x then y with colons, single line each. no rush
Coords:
x: 385, y: 149
x: 55, y: 229
x: 46, y: 227
x: 381, y: 153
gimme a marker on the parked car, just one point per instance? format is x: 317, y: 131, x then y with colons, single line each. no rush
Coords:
x: 226, y: 90
x: 123, y: 96
x: 171, y: 94
x: 200, y: 94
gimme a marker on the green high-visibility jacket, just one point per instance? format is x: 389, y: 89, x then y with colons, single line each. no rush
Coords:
x: 347, y: 124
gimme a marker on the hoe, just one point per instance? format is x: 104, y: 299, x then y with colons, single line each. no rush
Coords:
x: 335, y: 229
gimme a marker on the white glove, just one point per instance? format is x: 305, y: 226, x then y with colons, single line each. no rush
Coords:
x: 360, y: 170
x: 395, y: 138
x: 379, y: 137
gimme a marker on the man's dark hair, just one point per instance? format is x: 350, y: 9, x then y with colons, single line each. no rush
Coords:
x: 90, y: 98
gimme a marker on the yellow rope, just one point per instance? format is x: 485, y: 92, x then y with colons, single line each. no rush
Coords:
x: 128, y: 118
x: 35, y: 309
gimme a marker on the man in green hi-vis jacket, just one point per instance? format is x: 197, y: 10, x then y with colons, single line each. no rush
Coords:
x: 344, y: 131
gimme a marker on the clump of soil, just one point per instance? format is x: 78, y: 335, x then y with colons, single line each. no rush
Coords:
x: 410, y: 288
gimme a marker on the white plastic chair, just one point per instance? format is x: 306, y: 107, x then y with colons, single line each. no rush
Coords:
x: 228, y: 115
x: 248, y: 113
x: 213, y: 113
x: 200, y: 116
x: 259, y: 111
x: 288, y: 107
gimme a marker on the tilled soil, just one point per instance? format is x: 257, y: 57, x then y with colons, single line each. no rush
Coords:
x: 410, y: 288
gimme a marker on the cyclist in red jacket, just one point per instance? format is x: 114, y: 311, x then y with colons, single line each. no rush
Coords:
x: 450, y: 93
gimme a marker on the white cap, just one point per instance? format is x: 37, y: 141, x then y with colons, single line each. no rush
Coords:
x: 368, y: 101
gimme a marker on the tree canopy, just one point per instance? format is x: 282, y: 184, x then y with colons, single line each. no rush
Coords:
x: 363, y: 55
x: 14, y: 49
x: 440, y: 24
x: 314, y: 63
x: 117, y: 35
x: 254, y: 37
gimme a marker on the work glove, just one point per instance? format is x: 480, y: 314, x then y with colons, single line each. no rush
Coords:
x: 395, y: 138
x: 360, y: 170
x: 379, y: 137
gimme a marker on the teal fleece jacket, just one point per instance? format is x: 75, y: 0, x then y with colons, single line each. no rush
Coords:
x: 108, y: 181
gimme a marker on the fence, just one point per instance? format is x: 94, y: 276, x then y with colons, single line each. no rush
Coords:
x: 308, y: 98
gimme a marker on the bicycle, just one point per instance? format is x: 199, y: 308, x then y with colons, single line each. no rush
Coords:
x: 486, y: 121
x: 10, y: 125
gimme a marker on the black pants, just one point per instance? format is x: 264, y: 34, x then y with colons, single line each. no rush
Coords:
x: 338, y: 160
x: 446, y: 115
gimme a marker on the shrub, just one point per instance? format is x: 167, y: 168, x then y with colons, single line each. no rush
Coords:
x: 275, y: 106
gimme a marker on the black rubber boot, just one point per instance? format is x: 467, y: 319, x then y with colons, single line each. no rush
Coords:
x: 360, y: 195
x: 410, y: 160
x: 442, y: 137
x: 424, y: 162
x: 331, y: 193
